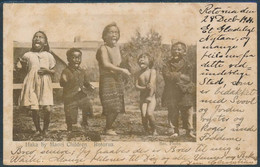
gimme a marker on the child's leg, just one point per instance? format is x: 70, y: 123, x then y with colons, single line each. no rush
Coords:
x: 173, y: 117
x: 85, y: 115
x: 170, y: 117
x: 86, y: 107
x: 36, y: 120
x: 151, y: 94
x: 187, y: 119
x: 70, y: 110
x: 47, y: 111
x: 110, y: 118
x: 143, y: 108
x: 150, y: 114
x: 74, y: 109
x: 91, y: 111
x: 67, y: 117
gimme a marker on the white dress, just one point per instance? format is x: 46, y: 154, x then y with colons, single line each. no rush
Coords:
x: 37, y: 89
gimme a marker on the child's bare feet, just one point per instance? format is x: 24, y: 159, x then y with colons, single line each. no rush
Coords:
x: 170, y: 131
x: 155, y: 133
x: 110, y: 132
x: 174, y: 132
x: 45, y: 132
x: 37, y: 133
x: 69, y: 128
x: 175, y: 135
x: 190, y: 133
x: 84, y: 127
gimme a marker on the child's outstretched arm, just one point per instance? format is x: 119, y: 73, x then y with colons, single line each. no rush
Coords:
x: 106, y: 63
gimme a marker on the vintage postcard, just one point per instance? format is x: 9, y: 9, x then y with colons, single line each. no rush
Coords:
x: 130, y: 83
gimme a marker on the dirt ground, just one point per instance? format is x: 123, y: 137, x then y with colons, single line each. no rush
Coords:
x: 128, y: 126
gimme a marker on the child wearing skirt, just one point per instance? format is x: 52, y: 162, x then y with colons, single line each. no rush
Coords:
x: 111, y: 88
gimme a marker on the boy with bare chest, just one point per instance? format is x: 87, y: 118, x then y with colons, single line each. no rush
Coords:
x: 146, y: 83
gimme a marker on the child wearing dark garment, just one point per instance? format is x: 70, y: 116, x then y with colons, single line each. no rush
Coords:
x: 76, y: 90
x: 179, y: 90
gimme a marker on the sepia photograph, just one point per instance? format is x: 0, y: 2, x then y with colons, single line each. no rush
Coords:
x: 130, y: 83
x: 83, y: 85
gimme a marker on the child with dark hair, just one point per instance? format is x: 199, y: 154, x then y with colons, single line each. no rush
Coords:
x: 146, y: 83
x: 179, y: 90
x: 37, y: 92
x: 76, y: 89
x: 111, y: 87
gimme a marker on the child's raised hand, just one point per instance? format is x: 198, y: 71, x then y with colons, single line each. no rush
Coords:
x: 19, y: 65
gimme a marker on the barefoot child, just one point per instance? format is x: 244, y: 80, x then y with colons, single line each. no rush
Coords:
x: 37, y: 91
x: 179, y: 90
x: 76, y: 89
x: 111, y: 86
x: 146, y: 83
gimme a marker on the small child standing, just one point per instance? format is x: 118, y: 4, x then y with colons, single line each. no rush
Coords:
x: 179, y: 90
x: 146, y: 83
x: 37, y: 92
x: 76, y: 89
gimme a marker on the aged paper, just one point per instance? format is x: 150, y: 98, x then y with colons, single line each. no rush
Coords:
x: 218, y: 42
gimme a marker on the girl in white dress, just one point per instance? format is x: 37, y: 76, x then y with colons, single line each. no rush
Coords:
x: 37, y: 90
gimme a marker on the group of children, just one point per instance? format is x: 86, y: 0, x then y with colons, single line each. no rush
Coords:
x: 178, y: 95
x: 37, y: 93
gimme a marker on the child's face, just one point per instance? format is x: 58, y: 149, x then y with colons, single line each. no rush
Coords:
x: 75, y: 59
x: 178, y: 51
x: 39, y: 41
x: 112, y: 35
x: 143, y: 61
